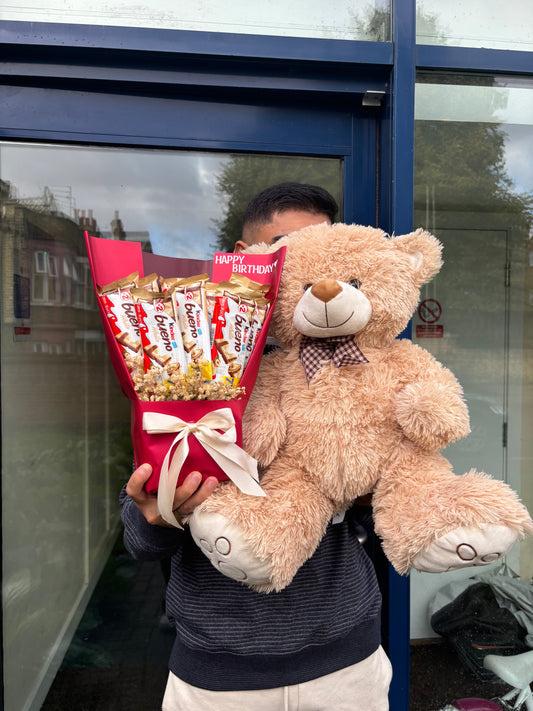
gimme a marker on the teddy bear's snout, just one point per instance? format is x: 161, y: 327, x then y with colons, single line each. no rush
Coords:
x: 326, y: 289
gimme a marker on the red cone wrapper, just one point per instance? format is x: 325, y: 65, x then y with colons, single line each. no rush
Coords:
x: 181, y: 436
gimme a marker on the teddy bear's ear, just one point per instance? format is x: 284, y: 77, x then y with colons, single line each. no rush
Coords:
x: 424, y: 252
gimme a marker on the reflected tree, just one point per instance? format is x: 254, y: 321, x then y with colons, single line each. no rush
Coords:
x: 242, y: 177
x: 465, y: 195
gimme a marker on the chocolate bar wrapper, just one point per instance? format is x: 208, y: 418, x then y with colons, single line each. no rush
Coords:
x: 233, y: 317
x: 117, y: 302
x: 189, y: 301
x: 261, y: 307
x: 160, y: 332
x: 242, y: 286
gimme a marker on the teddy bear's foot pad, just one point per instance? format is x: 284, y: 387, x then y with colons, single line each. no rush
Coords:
x: 466, y: 546
x: 224, y: 545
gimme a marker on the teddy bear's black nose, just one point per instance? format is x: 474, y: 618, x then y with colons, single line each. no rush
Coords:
x: 326, y: 289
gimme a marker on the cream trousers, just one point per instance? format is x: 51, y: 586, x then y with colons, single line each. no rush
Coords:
x: 361, y: 687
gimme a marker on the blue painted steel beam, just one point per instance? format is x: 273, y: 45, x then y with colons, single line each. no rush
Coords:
x: 401, y: 221
x: 206, y: 44
x: 108, y: 78
x: 470, y: 59
x: 130, y: 119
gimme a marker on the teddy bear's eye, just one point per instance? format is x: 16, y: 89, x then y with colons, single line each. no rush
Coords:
x: 355, y: 283
x: 307, y: 286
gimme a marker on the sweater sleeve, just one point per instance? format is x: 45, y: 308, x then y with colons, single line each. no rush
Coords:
x: 142, y: 540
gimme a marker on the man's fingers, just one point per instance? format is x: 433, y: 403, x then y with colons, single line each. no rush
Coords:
x: 188, y: 495
x: 138, y: 479
x: 191, y: 482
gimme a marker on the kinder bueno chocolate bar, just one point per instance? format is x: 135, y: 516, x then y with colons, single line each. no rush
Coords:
x: 244, y: 288
x: 211, y: 293
x: 248, y: 284
x: 119, y: 308
x: 159, y: 330
x: 189, y: 299
x: 150, y: 282
x: 260, y: 311
x: 167, y: 283
x: 232, y: 317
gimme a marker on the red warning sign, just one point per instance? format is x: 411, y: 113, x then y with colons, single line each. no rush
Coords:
x: 429, y: 330
x: 430, y: 311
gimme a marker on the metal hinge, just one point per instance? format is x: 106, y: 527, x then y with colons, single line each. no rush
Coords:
x: 504, y: 434
x: 508, y: 275
x: 373, y: 98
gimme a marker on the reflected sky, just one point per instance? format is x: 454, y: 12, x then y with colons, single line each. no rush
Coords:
x: 337, y: 19
x: 511, y: 107
x: 466, y: 23
x: 476, y: 23
x: 173, y: 195
x: 170, y: 194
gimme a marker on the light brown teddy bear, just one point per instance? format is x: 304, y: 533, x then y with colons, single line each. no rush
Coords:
x: 345, y: 409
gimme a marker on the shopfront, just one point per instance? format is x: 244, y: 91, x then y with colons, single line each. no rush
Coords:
x: 157, y: 125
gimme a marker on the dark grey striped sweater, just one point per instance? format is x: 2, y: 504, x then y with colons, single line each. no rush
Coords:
x: 230, y: 637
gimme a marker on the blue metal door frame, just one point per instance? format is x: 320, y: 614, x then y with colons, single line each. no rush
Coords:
x: 76, y: 83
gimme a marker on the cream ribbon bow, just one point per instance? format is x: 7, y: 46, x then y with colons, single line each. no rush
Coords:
x: 240, y: 467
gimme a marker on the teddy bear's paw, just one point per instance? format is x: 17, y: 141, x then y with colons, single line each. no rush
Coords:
x: 466, y: 546
x: 226, y: 548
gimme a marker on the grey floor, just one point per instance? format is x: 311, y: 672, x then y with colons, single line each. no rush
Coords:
x: 438, y: 677
x: 117, y: 660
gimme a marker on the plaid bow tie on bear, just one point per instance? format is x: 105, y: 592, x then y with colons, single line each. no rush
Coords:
x: 341, y: 350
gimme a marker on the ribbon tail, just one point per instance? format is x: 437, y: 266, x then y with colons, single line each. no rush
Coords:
x: 240, y: 467
x: 168, y: 480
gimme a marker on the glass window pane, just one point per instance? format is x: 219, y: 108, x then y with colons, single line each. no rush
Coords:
x: 65, y: 424
x: 476, y: 23
x: 359, y: 20
x: 473, y: 190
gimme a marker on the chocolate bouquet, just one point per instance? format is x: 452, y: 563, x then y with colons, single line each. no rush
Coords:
x: 185, y: 338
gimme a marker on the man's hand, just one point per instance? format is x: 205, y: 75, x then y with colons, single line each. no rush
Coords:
x: 188, y: 495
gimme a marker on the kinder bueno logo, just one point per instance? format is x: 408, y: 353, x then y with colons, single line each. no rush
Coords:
x: 161, y: 322
x: 129, y: 312
x: 190, y: 313
x: 240, y: 325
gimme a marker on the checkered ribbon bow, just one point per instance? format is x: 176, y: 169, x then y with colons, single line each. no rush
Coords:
x: 341, y: 350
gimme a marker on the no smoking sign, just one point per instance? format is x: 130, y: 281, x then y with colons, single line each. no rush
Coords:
x: 429, y: 312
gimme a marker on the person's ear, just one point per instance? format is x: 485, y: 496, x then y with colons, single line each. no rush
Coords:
x: 240, y: 246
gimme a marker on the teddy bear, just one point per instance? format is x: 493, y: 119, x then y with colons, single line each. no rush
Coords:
x: 344, y: 408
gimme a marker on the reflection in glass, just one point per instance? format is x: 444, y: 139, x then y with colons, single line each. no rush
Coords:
x: 359, y: 20
x: 473, y: 190
x: 185, y: 203
x: 65, y: 442
x: 476, y: 23
x: 65, y: 424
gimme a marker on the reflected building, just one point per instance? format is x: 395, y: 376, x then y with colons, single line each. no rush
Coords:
x: 117, y: 231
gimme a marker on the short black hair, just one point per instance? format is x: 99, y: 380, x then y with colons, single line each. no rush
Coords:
x: 290, y: 196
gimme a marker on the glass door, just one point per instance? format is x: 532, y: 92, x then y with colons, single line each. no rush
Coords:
x: 473, y: 191
x: 176, y: 176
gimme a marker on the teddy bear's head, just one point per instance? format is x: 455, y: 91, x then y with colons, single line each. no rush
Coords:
x: 340, y: 280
